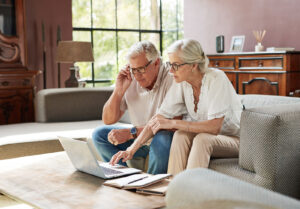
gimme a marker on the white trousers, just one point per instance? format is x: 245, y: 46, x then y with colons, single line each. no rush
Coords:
x: 191, y: 150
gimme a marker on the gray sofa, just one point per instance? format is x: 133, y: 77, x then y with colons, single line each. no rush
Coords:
x: 269, y: 154
x: 269, y: 149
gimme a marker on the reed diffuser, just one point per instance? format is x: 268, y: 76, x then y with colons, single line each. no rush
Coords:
x: 259, y: 36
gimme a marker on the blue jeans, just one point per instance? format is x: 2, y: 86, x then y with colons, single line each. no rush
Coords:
x: 158, y: 150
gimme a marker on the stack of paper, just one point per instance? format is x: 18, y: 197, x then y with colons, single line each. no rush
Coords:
x: 144, y: 183
x: 159, y: 188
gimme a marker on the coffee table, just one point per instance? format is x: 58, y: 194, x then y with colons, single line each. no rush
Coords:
x: 51, y: 181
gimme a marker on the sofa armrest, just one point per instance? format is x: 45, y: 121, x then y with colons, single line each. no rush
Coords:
x: 270, y: 146
x: 193, y: 188
x: 70, y: 104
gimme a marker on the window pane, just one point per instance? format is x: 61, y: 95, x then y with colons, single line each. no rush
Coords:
x: 128, y: 14
x: 180, y: 34
x: 105, y: 64
x: 150, y: 14
x: 180, y: 16
x: 81, y: 13
x: 125, y: 41
x: 82, y: 36
x: 169, y: 14
x: 85, y: 68
x: 168, y: 39
x: 153, y: 37
x: 103, y: 84
x: 104, y: 14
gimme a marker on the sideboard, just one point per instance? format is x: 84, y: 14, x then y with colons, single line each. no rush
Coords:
x: 272, y: 73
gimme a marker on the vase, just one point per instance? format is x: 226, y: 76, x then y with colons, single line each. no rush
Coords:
x: 259, y: 47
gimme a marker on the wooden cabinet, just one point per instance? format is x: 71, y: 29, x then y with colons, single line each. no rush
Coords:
x: 276, y: 73
x: 16, y: 96
x: 17, y: 83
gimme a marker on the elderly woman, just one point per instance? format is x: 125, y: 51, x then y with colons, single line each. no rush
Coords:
x: 210, y: 108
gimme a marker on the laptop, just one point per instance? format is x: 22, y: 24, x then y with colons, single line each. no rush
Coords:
x: 83, y: 159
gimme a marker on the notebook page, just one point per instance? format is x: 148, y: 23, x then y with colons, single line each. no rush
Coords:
x: 121, y: 182
x: 147, y: 181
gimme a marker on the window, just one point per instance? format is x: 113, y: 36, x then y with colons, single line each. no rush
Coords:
x: 114, y: 25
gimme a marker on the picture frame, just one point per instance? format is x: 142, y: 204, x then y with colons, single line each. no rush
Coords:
x: 237, y: 44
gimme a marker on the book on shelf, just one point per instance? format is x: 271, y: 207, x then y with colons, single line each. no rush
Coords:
x: 276, y: 49
x: 136, y: 181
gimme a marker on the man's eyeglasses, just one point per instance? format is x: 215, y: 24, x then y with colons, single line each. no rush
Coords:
x: 140, y: 70
x: 175, y: 66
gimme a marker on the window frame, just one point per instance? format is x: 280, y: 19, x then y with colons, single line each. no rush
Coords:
x: 160, y: 31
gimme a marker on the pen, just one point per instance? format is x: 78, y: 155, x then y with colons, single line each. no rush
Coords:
x: 137, y: 180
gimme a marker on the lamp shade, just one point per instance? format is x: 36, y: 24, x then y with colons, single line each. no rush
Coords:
x: 74, y: 51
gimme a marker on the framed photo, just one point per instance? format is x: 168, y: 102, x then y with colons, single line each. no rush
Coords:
x: 237, y: 44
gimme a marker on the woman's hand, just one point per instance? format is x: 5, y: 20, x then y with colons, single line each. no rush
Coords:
x: 125, y: 155
x: 158, y: 122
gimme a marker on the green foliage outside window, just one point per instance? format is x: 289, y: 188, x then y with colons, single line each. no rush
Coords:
x: 114, y: 25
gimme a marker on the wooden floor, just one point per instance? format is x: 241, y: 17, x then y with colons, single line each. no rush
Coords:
x: 8, y: 203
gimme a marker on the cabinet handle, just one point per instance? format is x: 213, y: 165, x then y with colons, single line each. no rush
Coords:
x: 5, y: 83
x: 260, y: 64
x: 216, y: 64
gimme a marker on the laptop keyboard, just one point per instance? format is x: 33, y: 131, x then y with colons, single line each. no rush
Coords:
x: 109, y: 171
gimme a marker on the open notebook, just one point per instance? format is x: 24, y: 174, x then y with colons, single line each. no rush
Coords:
x: 136, y: 181
x: 159, y: 188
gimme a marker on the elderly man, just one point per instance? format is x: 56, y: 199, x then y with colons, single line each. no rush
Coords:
x: 140, y: 88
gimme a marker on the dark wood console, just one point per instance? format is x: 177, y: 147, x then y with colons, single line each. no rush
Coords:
x: 276, y: 73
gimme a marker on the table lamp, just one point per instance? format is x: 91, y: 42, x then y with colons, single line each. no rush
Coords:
x: 71, y: 52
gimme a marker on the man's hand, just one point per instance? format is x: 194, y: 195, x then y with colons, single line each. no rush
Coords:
x: 123, y: 80
x: 158, y: 122
x: 125, y: 155
x: 119, y: 136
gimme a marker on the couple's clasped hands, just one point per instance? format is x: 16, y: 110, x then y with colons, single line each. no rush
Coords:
x: 156, y: 123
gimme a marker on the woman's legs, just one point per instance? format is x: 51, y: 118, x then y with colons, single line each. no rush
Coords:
x: 206, y: 145
x: 179, y: 152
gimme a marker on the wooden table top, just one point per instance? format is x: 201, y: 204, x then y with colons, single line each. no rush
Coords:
x: 51, y: 181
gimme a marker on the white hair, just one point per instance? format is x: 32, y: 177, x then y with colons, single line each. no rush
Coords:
x: 143, y: 46
x: 190, y: 51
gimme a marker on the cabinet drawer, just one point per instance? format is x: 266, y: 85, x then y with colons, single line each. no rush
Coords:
x: 222, y: 63
x: 262, y: 83
x: 24, y: 82
x: 254, y: 63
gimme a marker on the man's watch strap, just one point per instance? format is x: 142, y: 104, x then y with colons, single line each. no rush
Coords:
x: 133, y: 132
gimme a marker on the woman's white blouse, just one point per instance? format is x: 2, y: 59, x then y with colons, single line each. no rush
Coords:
x: 217, y: 99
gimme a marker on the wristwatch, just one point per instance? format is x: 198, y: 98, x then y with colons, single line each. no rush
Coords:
x: 133, y: 132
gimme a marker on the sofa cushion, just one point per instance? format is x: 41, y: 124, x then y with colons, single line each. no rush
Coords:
x: 256, y: 100
x: 267, y: 133
x: 231, y: 167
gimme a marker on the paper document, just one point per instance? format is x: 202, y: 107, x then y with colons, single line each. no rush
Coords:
x: 159, y: 188
x: 136, y: 181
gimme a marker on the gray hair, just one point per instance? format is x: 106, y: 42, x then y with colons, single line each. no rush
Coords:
x: 190, y: 51
x: 143, y: 46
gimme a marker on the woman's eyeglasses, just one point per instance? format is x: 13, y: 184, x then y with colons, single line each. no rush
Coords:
x: 175, y: 66
x: 140, y: 70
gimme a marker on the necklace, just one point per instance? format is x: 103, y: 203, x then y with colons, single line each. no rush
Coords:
x: 196, y: 94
